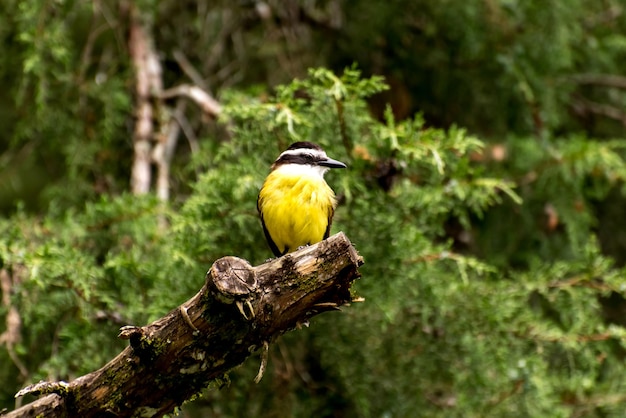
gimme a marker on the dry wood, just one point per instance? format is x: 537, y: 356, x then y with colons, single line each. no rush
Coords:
x: 239, y: 309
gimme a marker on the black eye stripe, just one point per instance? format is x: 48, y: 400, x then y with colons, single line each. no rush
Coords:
x: 298, y: 159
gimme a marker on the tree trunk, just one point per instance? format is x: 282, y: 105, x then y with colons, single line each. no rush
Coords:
x: 239, y: 309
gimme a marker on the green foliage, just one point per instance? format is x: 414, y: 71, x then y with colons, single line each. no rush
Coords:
x: 493, y: 281
x: 442, y: 329
x: 492, y: 66
x: 55, y: 92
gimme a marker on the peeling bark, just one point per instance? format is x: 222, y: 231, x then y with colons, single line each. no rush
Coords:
x: 239, y: 310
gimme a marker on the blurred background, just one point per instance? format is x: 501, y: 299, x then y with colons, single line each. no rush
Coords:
x: 486, y: 143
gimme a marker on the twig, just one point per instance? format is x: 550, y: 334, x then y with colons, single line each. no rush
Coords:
x: 44, y: 388
x: 188, y: 68
x: 264, y: 357
x: 230, y: 24
x: 606, y: 80
x: 179, y: 113
x: 612, y: 112
x: 206, y: 102
x: 192, y: 139
x: 11, y: 336
x: 164, y: 151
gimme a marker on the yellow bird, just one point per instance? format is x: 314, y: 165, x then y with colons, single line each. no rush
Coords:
x: 295, y: 203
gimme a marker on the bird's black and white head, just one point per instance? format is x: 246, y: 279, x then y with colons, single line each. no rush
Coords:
x: 305, y: 158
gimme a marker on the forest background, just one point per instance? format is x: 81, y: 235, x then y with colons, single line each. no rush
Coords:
x: 485, y: 141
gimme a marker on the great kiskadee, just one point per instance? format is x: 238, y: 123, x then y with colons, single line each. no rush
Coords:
x: 295, y: 203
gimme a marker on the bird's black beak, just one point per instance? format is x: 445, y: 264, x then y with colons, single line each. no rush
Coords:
x: 330, y: 163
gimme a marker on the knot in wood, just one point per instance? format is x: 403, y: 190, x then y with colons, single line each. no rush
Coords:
x: 233, y: 278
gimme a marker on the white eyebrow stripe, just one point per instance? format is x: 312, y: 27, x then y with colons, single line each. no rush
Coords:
x: 302, y: 151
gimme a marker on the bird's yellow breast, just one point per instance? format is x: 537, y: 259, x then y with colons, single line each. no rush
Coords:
x: 295, y: 208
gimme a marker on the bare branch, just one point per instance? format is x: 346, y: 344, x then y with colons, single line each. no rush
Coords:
x: 164, y: 151
x: 192, y: 139
x: 12, y: 335
x: 203, y: 99
x: 148, y: 82
x: 587, y: 106
x: 606, y: 80
x: 188, y: 68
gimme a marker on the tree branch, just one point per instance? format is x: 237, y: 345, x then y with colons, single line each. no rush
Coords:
x: 207, y: 103
x: 12, y: 334
x: 239, y: 310
x: 584, y: 106
x: 606, y: 80
x: 148, y: 84
x: 163, y: 151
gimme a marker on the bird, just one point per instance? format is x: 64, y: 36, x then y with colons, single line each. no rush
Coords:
x: 295, y: 204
